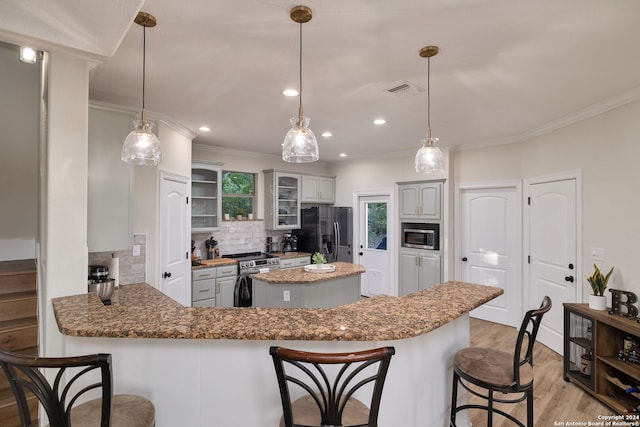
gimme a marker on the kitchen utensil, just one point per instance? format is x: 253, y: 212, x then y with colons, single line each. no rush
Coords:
x: 104, y: 289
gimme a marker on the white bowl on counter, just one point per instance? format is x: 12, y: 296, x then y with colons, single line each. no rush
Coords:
x: 319, y: 268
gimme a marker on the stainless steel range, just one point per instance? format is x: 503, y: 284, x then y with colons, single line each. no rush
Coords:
x: 250, y: 263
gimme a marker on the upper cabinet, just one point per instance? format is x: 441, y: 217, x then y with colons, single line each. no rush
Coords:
x: 282, y: 200
x: 318, y: 189
x: 206, y: 197
x: 421, y: 200
x: 110, y: 181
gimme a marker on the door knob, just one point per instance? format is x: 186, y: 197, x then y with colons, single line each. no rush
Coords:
x: 569, y: 279
x: 570, y: 266
x: 464, y: 259
x: 165, y: 275
x: 360, y: 253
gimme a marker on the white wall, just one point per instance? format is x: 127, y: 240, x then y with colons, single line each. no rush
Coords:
x: 19, y: 114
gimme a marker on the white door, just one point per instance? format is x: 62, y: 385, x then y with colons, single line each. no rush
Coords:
x: 553, y: 242
x: 490, y: 246
x: 175, y: 262
x: 374, y: 250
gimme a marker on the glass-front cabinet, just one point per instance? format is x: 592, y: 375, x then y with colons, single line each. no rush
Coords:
x: 579, y: 355
x: 282, y: 204
x: 206, y: 197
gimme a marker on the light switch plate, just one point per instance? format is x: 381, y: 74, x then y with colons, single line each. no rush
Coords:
x: 135, y: 250
x: 598, y: 254
x: 286, y: 295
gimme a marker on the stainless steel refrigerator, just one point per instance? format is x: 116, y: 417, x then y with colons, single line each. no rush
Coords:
x: 328, y: 230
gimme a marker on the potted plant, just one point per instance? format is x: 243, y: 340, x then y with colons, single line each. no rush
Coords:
x: 318, y: 258
x: 598, y: 282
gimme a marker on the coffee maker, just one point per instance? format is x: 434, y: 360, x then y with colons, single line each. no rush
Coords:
x: 289, y: 243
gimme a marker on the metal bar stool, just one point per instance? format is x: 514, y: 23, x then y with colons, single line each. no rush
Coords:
x: 58, y: 399
x: 499, y: 371
x: 328, y: 398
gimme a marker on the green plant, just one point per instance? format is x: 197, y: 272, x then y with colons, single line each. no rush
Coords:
x: 598, y: 281
x: 318, y: 258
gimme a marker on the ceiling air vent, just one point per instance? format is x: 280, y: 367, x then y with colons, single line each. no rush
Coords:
x: 404, y: 89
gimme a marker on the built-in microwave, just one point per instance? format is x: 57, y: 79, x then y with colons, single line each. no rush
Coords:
x: 420, y: 236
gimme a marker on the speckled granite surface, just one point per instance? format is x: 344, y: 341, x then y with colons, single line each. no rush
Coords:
x: 298, y: 275
x: 141, y: 311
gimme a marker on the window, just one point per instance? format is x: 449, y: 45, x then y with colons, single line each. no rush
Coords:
x: 238, y: 193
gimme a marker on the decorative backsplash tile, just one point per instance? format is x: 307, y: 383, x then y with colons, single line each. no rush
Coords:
x: 131, y: 268
x: 238, y: 237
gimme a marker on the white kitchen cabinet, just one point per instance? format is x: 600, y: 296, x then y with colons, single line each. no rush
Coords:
x: 418, y: 270
x: 110, y: 182
x: 282, y: 200
x: 225, y: 283
x: 318, y: 189
x: 294, y: 262
x: 421, y: 200
x: 206, y: 197
x: 203, y: 287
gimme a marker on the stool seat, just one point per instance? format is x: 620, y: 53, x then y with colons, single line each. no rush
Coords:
x: 127, y: 410
x: 306, y: 412
x: 491, y: 366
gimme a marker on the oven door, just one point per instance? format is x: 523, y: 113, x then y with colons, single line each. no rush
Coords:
x: 242, y: 292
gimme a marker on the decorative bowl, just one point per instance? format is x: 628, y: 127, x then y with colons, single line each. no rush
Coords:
x: 320, y: 268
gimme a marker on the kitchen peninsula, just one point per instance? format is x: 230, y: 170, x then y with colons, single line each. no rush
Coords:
x: 297, y: 288
x: 193, y: 362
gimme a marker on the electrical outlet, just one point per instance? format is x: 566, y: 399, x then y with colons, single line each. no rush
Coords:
x: 598, y: 254
x: 286, y: 295
x: 135, y: 250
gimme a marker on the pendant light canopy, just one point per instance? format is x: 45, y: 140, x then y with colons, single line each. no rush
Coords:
x: 429, y: 158
x: 300, y: 144
x: 142, y: 147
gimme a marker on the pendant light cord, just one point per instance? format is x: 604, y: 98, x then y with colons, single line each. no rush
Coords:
x: 300, y: 56
x: 144, y: 63
x: 429, y: 95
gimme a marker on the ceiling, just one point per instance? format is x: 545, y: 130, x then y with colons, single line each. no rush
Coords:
x: 507, y: 70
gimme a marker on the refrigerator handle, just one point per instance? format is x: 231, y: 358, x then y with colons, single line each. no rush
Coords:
x: 336, y: 240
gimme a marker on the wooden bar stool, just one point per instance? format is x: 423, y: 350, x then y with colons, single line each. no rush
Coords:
x: 328, y: 398
x: 498, y: 371
x: 58, y: 399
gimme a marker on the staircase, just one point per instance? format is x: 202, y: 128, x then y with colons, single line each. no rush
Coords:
x: 18, y: 328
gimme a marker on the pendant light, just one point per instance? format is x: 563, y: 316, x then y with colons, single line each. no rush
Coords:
x: 429, y: 158
x: 142, y: 147
x: 300, y: 144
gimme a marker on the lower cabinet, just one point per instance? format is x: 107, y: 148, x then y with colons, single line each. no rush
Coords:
x: 294, y: 262
x: 418, y: 270
x: 213, y: 287
x: 601, y: 356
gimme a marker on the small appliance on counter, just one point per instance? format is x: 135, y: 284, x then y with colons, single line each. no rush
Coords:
x: 98, y: 273
x: 212, y: 248
x: 289, y: 243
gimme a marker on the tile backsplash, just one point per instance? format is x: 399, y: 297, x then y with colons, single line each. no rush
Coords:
x: 238, y: 237
x: 131, y: 268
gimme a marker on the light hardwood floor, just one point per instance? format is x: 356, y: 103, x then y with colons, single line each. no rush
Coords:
x: 556, y: 402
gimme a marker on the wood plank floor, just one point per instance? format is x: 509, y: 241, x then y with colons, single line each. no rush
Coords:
x: 556, y: 402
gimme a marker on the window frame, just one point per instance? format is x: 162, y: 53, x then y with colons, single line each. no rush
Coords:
x: 253, y: 196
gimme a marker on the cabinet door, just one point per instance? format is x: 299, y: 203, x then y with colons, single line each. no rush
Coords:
x: 409, y: 201
x: 430, y: 201
x: 310, y: 189
x: 224, y: 291
x: 429, y: 271
x: 206, y: 197
x: 408, y: 273
x: 288, y: 201
x: 327, y: 190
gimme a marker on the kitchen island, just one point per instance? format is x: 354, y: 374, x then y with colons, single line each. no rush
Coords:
x: 211, y: 366
x: 297, y: 288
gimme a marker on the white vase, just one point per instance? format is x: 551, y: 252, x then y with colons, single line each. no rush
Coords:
x: 597, y: 302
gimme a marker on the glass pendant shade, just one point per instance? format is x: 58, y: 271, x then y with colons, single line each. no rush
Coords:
x: 300, y: 144
x: 429, y: 158
x: 142, y: 147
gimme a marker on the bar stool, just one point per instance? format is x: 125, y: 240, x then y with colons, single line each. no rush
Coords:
x: 58, y: 399
x: 328, y: 398
x: 498, y: 371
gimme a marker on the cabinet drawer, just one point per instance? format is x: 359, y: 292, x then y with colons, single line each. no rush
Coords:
x: 287, y: 263
x: 205, y: 273
x: 299, y: 262
x: 203, y: 289
x: 205, y: 303
x: 225, y: 271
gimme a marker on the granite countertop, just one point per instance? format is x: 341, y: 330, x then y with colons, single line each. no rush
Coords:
x: 141, y: 311
x: 300, y: 276
x: 218, y: 262
x: 289, y: 255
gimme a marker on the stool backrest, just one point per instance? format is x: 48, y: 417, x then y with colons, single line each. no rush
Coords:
x: 23, y: 373
x: 528, y: 329
x: 331, y: 391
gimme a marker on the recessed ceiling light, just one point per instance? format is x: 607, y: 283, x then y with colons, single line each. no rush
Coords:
x: 27, y: 55
x: 327, y: 134
x: 290, y: 92
x: 204, y: 129
x: 343, y: 154
x: 379, y: 121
